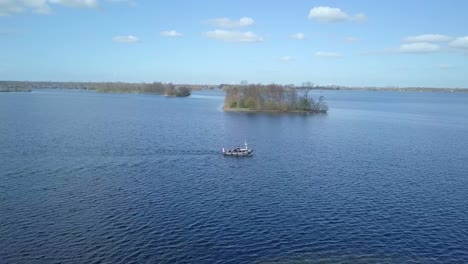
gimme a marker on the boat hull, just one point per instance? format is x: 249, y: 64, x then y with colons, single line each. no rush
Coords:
x: 238, y: 153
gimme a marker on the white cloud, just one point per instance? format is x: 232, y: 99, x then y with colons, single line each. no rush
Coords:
x: 419, y: 47
x: 225, y: 22
x: 9, y: 7
x: 298, y: 36
x: 327, y: 54
x: 328, y: 14
x: 233, y: 36
x: 427, y: 38
x: 171, y: 34
x: 76, y: 3
x: 125, y: 39
x: 460, y: 43
x: 286, y: 58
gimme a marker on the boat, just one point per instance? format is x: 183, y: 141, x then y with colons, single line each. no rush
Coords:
x: 245, y: 151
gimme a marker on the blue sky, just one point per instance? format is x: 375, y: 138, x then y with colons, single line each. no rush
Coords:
x: 353, y: 43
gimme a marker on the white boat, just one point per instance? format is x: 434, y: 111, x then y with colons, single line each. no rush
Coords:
x: 245, y: 151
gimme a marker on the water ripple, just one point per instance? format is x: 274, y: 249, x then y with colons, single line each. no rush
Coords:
x: 131, y: 186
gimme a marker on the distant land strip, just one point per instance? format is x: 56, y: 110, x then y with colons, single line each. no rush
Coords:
x: 155, y: 87
x: 393, y: 89
x: 117, y: 87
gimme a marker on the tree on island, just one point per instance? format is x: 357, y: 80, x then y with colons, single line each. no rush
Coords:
x: 273, y: 97
x: 170, y: 90
x: 182, y: 91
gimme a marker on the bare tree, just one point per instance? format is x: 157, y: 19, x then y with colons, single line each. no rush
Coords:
x: 306, y: 87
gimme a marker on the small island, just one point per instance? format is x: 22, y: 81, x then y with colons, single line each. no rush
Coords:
x: 167, y: 89
x: 272, y: 98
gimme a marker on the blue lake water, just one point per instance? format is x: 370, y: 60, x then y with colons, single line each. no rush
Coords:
x: 129, y: 178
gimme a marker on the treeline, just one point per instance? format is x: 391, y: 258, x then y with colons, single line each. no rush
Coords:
x: 273, y: 97
x: 168, y: 89
x: 13, y: 87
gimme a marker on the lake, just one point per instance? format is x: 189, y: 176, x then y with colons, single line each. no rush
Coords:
x: 88, y: 177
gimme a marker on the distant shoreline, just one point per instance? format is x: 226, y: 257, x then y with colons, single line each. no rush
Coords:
x: 14, y: 90
x: 392, y: 89
x: 26, y: 86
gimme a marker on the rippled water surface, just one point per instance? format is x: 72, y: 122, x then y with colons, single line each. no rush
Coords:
x: 124, y: 178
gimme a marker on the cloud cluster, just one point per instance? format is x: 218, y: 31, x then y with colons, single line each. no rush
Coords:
x: 326, y: 14
x: 227, y: 30
x: 234, y: 30
x: 428, y: 43
x: 9, y: 7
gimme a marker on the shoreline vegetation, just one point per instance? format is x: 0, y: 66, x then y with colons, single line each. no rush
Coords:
x: 166, y: 89
x: 272, y: 98
x: 14, y: 87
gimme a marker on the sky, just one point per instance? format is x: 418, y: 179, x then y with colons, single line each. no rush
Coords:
x: 418, y: 43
